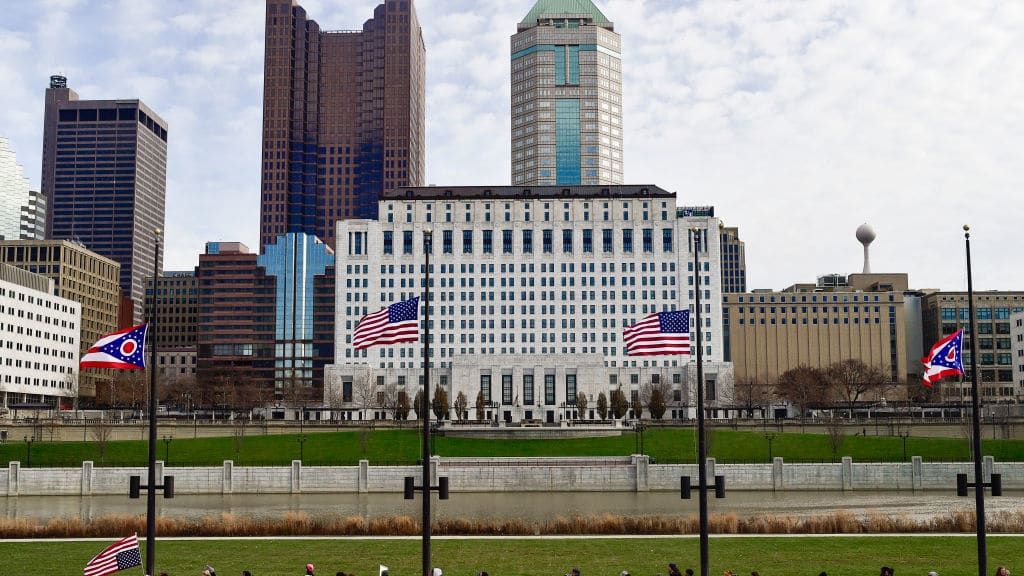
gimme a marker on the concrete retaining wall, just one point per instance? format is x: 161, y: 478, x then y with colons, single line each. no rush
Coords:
x: 627, y: 474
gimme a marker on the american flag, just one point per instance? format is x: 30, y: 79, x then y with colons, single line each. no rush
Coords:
x: 391, y: 325
x: 120, y: 555
x: 659, y: 334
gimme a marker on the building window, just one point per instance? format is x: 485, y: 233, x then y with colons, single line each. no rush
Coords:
x: 570, y: 388
x: 527, y: 389
x: 648, y: 239
x: 547, y: 241
x: 567, y: 241
x: 485, y: 387
x: 467, y: 241
x: 506, y: 241
x: 588, y: 241
x: 549, y: 389
x: 527, y: 241
x: 389, y: 242
x: 446, y: 240
x: 666, y: 240
x: 627, y: 240
x: 506, y: 389
x: 407, y: 242
x: 606, y: 240
x: 488, y: 242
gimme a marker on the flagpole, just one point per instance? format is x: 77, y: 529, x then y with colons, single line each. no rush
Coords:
x: 151, y: 483
x: 979, y: 488
x: 702, y: 473
x: 425, y: 404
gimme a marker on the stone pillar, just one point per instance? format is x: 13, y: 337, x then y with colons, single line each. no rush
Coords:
x: 13, y: 468
x: 159, y: 468
x: 916, y: 473
x: 847, y: 472
x: 710, y: 467
x: 987, y: 464
x: 777, y: 473
x: 87, y: 478
x: 296, y: 483
x: 364, y: 476
x: 435, y: 465
x: 640, y: 464
x: 228, y: 483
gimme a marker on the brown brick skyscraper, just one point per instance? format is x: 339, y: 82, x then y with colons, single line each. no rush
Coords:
x: 343, y: 117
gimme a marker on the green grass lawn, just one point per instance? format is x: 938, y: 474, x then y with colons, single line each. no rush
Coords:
x: 950, y: 556
x: 384, y: 447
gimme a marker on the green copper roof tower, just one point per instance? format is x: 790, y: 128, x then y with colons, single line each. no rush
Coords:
x: 566, y: 96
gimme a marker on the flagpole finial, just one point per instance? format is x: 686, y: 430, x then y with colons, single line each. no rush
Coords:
x: 967, y: 228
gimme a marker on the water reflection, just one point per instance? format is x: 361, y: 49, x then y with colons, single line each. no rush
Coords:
x: 525, y: 505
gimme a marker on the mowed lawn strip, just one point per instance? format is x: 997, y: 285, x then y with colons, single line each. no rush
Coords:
x: 843, y: 556
x: 388, y: 447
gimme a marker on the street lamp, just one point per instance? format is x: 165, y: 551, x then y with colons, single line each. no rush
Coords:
x: 903, y: 435
x: 28, y: 452
x: 167, y: 449
x: 770, y: 436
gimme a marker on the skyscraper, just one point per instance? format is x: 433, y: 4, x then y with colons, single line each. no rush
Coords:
x: 19, y: 205
x: 734, y: 261
x: 104, y: 180
x: 343, y: 117
x: 566, y: 96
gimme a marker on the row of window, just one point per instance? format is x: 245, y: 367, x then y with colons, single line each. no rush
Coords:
x: 526, y: 245
x: 999, y: 313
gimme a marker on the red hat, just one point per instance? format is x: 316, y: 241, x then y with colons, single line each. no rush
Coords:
x: 309, y: 567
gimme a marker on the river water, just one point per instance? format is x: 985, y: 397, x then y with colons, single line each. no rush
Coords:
x: 525, y: 505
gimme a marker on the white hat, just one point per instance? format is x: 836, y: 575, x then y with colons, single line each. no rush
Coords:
x: 436, y: 572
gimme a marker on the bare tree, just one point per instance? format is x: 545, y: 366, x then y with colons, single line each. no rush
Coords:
x: 655, y: 396
x: 751, y: 392
x: 440, y: 403
x: 803, y: 386
x: 461, y: 404
x: 71, y: 383
x: 101, y: 432
x: 366, y: 396
x: 581, y: 404
x: 836, y: 432
x: 848, y: 380
x: 480, y: 405
x: 419, y: 404
x: 402, y: 406
x: 602, y: 406
x: 388, y: 398
x: 619, y: 404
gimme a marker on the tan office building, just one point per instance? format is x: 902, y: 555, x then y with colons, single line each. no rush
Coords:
x: 946, y: 312
x: 79, y: 275
x: 838, y: 318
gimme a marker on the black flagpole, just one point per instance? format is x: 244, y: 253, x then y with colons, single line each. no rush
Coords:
x: 425, y: 405
x: 702, y: 473
x: 151, y: 483
x: 979, y: 488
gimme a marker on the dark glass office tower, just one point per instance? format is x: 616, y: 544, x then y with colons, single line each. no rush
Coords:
x: 343, y: 117
x: 104, y: 180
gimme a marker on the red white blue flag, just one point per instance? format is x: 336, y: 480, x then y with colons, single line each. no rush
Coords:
x: 945, y: 359
x: 124, y: 350
x: 658, y: 334
x: 120, y: 555
x: 392, y: 325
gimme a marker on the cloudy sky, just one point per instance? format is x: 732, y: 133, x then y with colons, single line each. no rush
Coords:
x: 797, y: 120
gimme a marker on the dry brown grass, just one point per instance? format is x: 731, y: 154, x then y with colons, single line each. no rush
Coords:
x: 303, y: 524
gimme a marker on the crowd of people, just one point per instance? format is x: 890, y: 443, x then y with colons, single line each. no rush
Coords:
x: 673, y: 570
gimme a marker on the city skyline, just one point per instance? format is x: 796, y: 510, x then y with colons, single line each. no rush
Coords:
x: 772, y: 116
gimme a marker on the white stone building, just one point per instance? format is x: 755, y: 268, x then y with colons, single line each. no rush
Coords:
x: 15, y: 195
x: 532, y: 288
x: 39, y: 335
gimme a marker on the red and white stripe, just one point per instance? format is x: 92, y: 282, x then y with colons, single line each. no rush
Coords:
x: 95, y: 357
x: 645, y: 338
x: 374, y: 329
x: 106, y: 562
